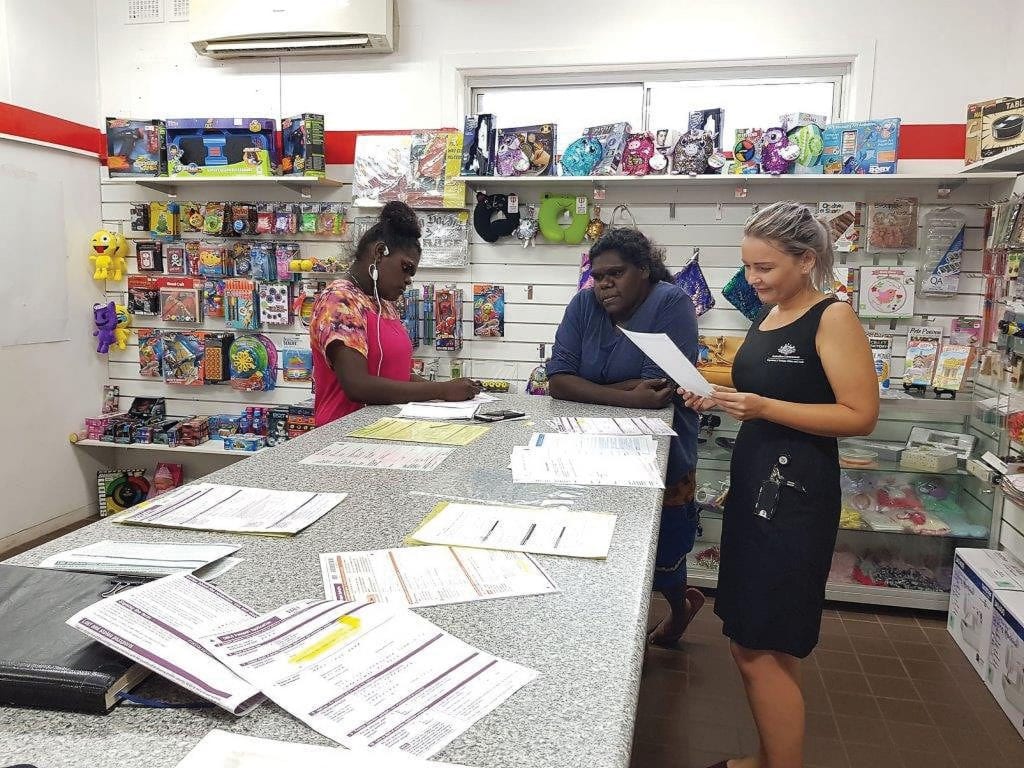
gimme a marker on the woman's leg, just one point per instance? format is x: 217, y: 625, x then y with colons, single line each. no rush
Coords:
x: 772, y: 681
x: 675, y: 540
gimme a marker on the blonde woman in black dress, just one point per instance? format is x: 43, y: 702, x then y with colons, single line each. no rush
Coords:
x: 804, y: 377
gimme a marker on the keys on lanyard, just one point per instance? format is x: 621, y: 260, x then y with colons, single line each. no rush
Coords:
x: 771, y: 489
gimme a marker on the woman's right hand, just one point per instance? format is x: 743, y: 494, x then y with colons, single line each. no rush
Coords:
x: 457, y: 390
x: 700, y: 404
x: 651, y: 393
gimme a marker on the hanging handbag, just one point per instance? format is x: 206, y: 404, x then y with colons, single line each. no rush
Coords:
x: 741, y: 295
x: 624, y: 212
x: 691, y: 279
x: 715, y: 356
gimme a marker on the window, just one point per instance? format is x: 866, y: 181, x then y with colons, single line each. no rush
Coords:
x: 663, y: 99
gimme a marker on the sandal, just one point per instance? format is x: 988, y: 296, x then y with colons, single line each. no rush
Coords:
x: 694, y: 602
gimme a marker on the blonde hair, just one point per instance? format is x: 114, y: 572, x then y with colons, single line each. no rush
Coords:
x: 794, y: 228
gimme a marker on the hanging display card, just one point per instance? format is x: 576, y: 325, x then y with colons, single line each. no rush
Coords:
x: 445, y: 239
x: 489, y: 311
x: 952, y: 364
x: 843, y: 222
x: 892, y: 225
x: 881, y: 352
x: 887, y: 292
x: 922, y: 352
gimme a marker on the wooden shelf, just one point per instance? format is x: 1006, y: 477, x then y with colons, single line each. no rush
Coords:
x: 1010, y: 161
x: 214, y: 447
x: 170, y: 185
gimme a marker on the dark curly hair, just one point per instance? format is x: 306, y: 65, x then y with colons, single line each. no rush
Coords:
x: 633, y: 247
x: 398, y: 228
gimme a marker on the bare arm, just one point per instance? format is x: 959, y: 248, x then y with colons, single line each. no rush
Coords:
x: 362, y: 386
x: 847, y: 361
x: 651, y: 393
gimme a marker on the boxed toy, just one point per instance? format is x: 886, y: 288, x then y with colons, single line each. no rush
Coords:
x: 1005, y: 678
x: 216, y: 362
x: 478, y: 147
x: 526, y: 151
x: 434, y: 161
x: 300, y: 418
x: 613, y: 142
x: 1001, y: 126
x: 277, y: 426
x: 977, y: 575
x: 710, y: 121
x: 136, y: 147
x: 250, y: 443
x: 302, y: 142
x: 221, y: 146
x: 868, y: 147
x: 195, y: 431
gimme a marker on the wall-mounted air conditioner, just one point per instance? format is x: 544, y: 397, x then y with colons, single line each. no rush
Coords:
x: 230, y: 29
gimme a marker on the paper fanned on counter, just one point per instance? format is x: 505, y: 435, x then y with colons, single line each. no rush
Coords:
x: 368, y: 675
x: 434, y: 575
x: 431, y: 432
x: 545, y: 530
x: 416, y: 458
x: 634, y: 445
x: 233, y: 509
x: 138, y: 558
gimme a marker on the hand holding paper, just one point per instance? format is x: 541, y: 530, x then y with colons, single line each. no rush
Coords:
x: 667, y: 356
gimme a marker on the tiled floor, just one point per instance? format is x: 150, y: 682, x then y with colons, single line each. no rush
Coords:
x: 883, y: 690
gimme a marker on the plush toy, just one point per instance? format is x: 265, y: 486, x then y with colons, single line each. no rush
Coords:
x: 692, y: 152
x: 809, y: 142
x: 778, y: 152
x: 105, y: 317
x: 528, y: 227
x: 511, y: 159
x: 124, y: 323
x: 665, y: 142
x: 636, y: 159
x: 102, y: 247
x: 581, y: 157
x: 119, y: 263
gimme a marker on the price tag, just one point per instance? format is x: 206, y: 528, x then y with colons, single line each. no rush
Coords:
x: 581, y: 204
x: 513, y: 203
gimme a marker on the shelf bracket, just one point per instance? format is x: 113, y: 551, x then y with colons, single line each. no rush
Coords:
x: 945, y: 188
x: 301, y: 188
x: 160, y: 186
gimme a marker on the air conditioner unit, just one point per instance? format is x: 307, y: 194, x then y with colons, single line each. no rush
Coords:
x: 231, y: 29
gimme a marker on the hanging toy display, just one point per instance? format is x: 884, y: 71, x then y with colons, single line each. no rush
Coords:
x: 551, y: 210
x: 105, y: 318
x: 581, y: 157
x: 595, y: 227
x: 692, y: 152
x: 124, y: 323
x: 119, y: 263
x: 943, y: 251
x: 102, y: 248
x: 742, y: 295
x: 778, y: 153
x: 665, y: 141
x: 528, y: 226
x: 487, y: 208
x: 253, y: 363
x: 636, y: 159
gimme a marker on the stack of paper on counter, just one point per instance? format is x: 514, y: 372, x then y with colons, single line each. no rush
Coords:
x: 414, y: 458
x: 233, y: 509
x: 640, y: 425
x: 550, y: 466
x: 540, y: 530
x: 221, y: 749
x: 411, y: 431
x: 139, y: 558
x: 420, y: 576
x: 443, y: 410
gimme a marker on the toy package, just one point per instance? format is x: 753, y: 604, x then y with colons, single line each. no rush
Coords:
x: 843, y: 282
x: 302, y: 140
x: 216, y: 361
x: 526, y: 151
x: 478, y: 145
x: 163, y: 219
x: 381, y: 169
x: 151, y: 353
x: 275, y: 303
x: 139, y: 217
x: 867, y: 147
x: 709, y: 121
x: 167, y: 477
x: 180, y: 300
x: 994, y: 126
x: 445, y: 239
x: 286, y: 219
x: 489, y: 311
x: 192, y: 251
x: 613, y: 143
x: 409, y: 307
x: 174, y: 254
x: 136, y: 147
x: 214, y: 218
x: 966, y: 330
x: 149, y: 255
x: 881, y: 352
x: 191, y: 216
x: 892, y: 225
x: 221, y: 147
x: 887, y: 292
x: 331, y: 219
x: 143, y: 295
x: 213, y: 298
x: 263, y: 261
x: 746, y: 151
x: 277, y: 426
x: 253, y: 363
x: 242, y: 219
x: 240, y: 259
x: 183, y: 357
x: 448, y: 319
x: 950, y: 368
x: 213, y: 259
x: 298, y: 364
x: 264, y: 218
x: 284, y: 255
x: 120, y: 489
x: 843, y: 221
x: 435, y: 157
x: 922, y: 351
x: 944, y: 230
x: 241, y: 304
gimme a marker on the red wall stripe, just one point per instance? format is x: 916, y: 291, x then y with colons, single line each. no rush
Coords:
x: 932, y: 141
x: 38, y: 126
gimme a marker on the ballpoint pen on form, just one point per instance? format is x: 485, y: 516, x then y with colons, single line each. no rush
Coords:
x: 561, y: 533
x: 490, y: 531
x: 529, y: 533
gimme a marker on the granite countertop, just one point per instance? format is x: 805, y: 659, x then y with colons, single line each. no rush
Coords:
x: 587, y: 642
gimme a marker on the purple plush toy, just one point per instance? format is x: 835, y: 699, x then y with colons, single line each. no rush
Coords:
x: 105, y: 318
x: 778, y: 153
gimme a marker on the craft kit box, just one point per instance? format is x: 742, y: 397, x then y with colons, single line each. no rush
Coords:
x: 136, y: 147
x: 1005, y: 679
x: 221, y: 146
x: 978, y: 574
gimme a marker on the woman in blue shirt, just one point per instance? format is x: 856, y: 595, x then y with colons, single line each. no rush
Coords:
x: 593, y: 362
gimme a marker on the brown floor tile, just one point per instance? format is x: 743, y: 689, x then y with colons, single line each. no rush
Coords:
x: 931, y: 619
x: 844, y: 682
x: 967, y: 746
x: 924, y: 651
x: 942, y: 692
x: 906, y: 618
x: 938, y: 635
x: 892, y: 687
x: 883, y: 665
x: 856, y: 704
x: 815, y: 696
x: 821, y: 725
x: 916, y: 737
x: 839, y: 660
x: 998, y: 726
x: 902, y: 711
x: 862, y: 730
x: 905, y: 633
x: 857, y: 629
x: 836, y: 643
x: 824, y: 753
x: 831, y: 625
x: 927, y: 760
x: 874, y: 646
x: 665, y: 658
x: 949, y: 716
x: 872, y: 756
x: 1013, y: 749
x: 927, y: 670
x: 950, y: 655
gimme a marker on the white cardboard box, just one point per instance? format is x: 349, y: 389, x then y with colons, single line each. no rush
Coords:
x: 1005, y: 678
x: 977, y: 575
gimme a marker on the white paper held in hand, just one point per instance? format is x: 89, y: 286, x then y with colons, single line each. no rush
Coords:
x: 667, y: 356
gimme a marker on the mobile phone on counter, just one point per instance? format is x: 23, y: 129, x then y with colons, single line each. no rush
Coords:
x: 500, y: 416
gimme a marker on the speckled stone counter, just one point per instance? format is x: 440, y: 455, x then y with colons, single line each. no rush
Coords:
x: 587, y: 642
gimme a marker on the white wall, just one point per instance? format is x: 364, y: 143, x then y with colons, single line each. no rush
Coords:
x: 932, y: 57
x: 47, y: 389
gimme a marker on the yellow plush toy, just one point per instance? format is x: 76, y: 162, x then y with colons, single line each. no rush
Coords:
x: 119, y: 264
x: 123, y: 329
x: 103, y: 247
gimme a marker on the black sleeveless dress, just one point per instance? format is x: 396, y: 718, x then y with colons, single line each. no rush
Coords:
x: 771, y: 583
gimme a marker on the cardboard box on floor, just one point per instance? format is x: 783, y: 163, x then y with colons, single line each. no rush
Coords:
x: 978, y: 575
x: 1005, y: 678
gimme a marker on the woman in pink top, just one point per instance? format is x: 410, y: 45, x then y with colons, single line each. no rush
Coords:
x: 361, y: 351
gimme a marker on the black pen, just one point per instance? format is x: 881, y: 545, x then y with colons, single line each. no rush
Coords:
x: 489, y: 532
x: 560, y: 534
x: 529, y: 533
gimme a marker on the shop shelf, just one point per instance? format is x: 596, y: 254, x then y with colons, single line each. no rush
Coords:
x: 170, y: 186
x: 953, y: 178
x: 1012, y: 160
x: 214, y: 447
x: 710, y: 456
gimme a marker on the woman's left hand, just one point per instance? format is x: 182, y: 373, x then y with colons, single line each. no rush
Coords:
x: 742, y: 406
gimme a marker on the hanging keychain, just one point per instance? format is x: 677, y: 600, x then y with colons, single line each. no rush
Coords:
x: 768, y: 495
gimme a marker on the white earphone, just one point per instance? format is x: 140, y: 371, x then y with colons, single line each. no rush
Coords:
x: 374, y: 274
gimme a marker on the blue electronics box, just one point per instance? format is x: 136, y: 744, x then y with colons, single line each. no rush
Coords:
x: 241, y: 146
